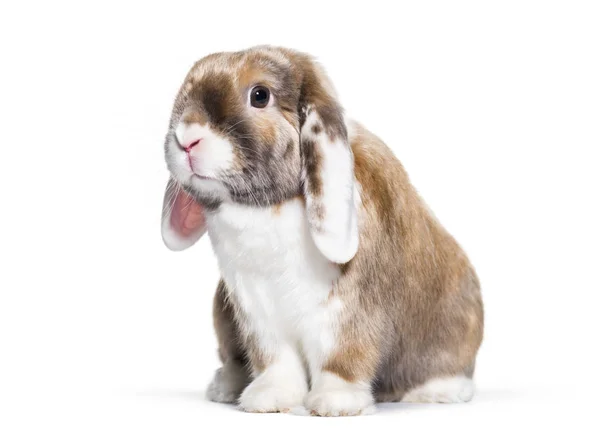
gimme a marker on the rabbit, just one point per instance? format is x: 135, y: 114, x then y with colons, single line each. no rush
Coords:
x: 339, y: 288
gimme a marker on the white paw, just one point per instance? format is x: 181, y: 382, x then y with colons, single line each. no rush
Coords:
x: 347, y: 401
x: 264, y: 395
x: 227, y: 384
x: 457, y: 389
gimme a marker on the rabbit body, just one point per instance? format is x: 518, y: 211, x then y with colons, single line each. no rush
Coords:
x: 339, y: 287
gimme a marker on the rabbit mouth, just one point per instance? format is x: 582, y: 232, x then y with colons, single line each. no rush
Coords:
x: 198, y: 176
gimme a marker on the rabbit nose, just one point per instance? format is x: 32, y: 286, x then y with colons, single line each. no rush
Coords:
x: 189, y: 135
x: 191, y: 144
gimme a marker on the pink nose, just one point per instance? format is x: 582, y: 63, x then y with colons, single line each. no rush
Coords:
x: 187, y: 147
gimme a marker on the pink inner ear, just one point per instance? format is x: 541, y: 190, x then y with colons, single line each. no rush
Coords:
x: 187, y: 216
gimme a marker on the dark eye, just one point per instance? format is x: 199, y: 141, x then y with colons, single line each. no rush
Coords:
x: 259, y: 97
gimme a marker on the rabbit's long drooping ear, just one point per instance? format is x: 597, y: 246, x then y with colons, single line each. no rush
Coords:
x: 329, y: 168
x: 183, y: 221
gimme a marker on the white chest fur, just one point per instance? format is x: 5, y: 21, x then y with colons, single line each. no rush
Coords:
x: 279, y: 277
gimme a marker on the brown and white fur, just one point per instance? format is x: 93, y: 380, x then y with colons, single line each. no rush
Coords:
x: 339, y: 288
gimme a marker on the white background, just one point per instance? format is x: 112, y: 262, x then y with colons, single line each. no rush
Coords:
x: 493, y: 107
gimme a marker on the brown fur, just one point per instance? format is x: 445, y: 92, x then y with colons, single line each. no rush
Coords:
x: 413, y: 297
x: 233, y: 345
x: 194, y: 117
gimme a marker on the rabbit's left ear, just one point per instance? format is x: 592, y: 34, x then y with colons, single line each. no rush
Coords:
x: 328, y: 165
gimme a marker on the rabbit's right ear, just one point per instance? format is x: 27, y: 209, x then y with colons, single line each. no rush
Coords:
x: 183, y: 221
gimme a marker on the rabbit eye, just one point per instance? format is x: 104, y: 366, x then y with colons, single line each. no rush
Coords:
x: 259, y: 97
